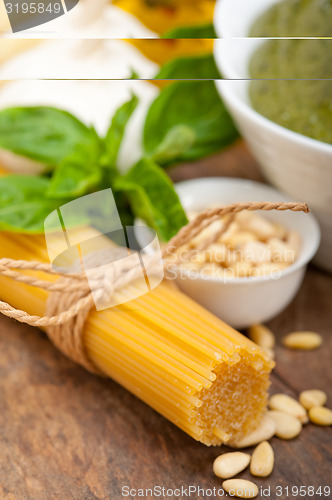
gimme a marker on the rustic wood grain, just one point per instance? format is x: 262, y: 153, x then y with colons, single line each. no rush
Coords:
x: 65, y: 434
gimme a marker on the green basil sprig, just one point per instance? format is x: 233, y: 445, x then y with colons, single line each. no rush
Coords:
x: 190, y: 68
x: 45, y: 134
x: 116, y: 131
x: 185, y: 122
x: 91, y: 165
x: 82, y: 163
x: 153, y: 198
x: 192, y: 31
x: 23, y: 206
x: 77, y: 174
x: 197, y: 106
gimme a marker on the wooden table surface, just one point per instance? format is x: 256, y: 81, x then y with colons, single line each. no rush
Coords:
x: 66, y: 434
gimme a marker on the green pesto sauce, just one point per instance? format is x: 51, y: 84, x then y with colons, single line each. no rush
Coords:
x: 299, y: 18
x: 304, y: 106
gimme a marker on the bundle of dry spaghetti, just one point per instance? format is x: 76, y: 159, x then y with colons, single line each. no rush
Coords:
x: 188, y: 365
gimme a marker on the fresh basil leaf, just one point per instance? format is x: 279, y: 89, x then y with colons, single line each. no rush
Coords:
x: 194, y: 31
x: 23, y: 206
x: 133, y: 75
x: 197, y: 105
x: 190, y: 68
x: 82, y: 170
x: 153, y: 198
x: 116, y: 131
x: 45, y: 134
x: 76, y: 174
x: 175, y: 143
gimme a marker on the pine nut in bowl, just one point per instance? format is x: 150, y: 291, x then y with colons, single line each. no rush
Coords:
x: 296, y: 163
x: 244, y: 299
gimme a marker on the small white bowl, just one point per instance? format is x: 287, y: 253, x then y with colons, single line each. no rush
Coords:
x: 299, y: 166
x: 245, y: 301
x: 234, y: 18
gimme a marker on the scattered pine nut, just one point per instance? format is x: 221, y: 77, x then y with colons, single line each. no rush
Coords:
x: 294, y: 241
x: 313, y: 397
x: 216, y: 253
x: 262, y: 460
x: 287, y: 404
x: 240, y: 488
x: 198, y: 257
x: 262, y: 336
x: 229, y: 233
x: 191, y: 266
x: 260, y: 226
x: 303, y: 340
x: 230, y: 464
x: 320, y: 415
x: 241, y: 269
x: 263, y: 432
x: 256, y: 252
x: 207, y: 233
x: 241, y: 238
x: 210, y: 269
x: 281, y: 233
x: 281, y: 251
x: 287, y: 426
x: 246, y: 244
x: 273, y: 268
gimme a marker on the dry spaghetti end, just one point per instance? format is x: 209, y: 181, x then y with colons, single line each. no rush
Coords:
x: 198, y: 372
x: 169, y: 351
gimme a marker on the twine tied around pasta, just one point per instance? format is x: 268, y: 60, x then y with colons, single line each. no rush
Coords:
x: 71, y: 296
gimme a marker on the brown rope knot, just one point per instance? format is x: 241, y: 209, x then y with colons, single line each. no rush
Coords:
x: 66, y: 333
x: 73, y: 295
x: 98, y: 286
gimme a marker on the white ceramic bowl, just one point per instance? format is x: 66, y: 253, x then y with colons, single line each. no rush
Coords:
x: 244, y: 301
x: 299, y: 166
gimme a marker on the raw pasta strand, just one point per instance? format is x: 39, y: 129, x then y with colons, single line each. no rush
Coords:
x: 192, y: 368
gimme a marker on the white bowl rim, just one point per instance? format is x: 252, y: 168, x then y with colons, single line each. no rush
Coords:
x: 246, y: 108
x: 302, y: 261
x: 250, y: 112
x: 219, y: 21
